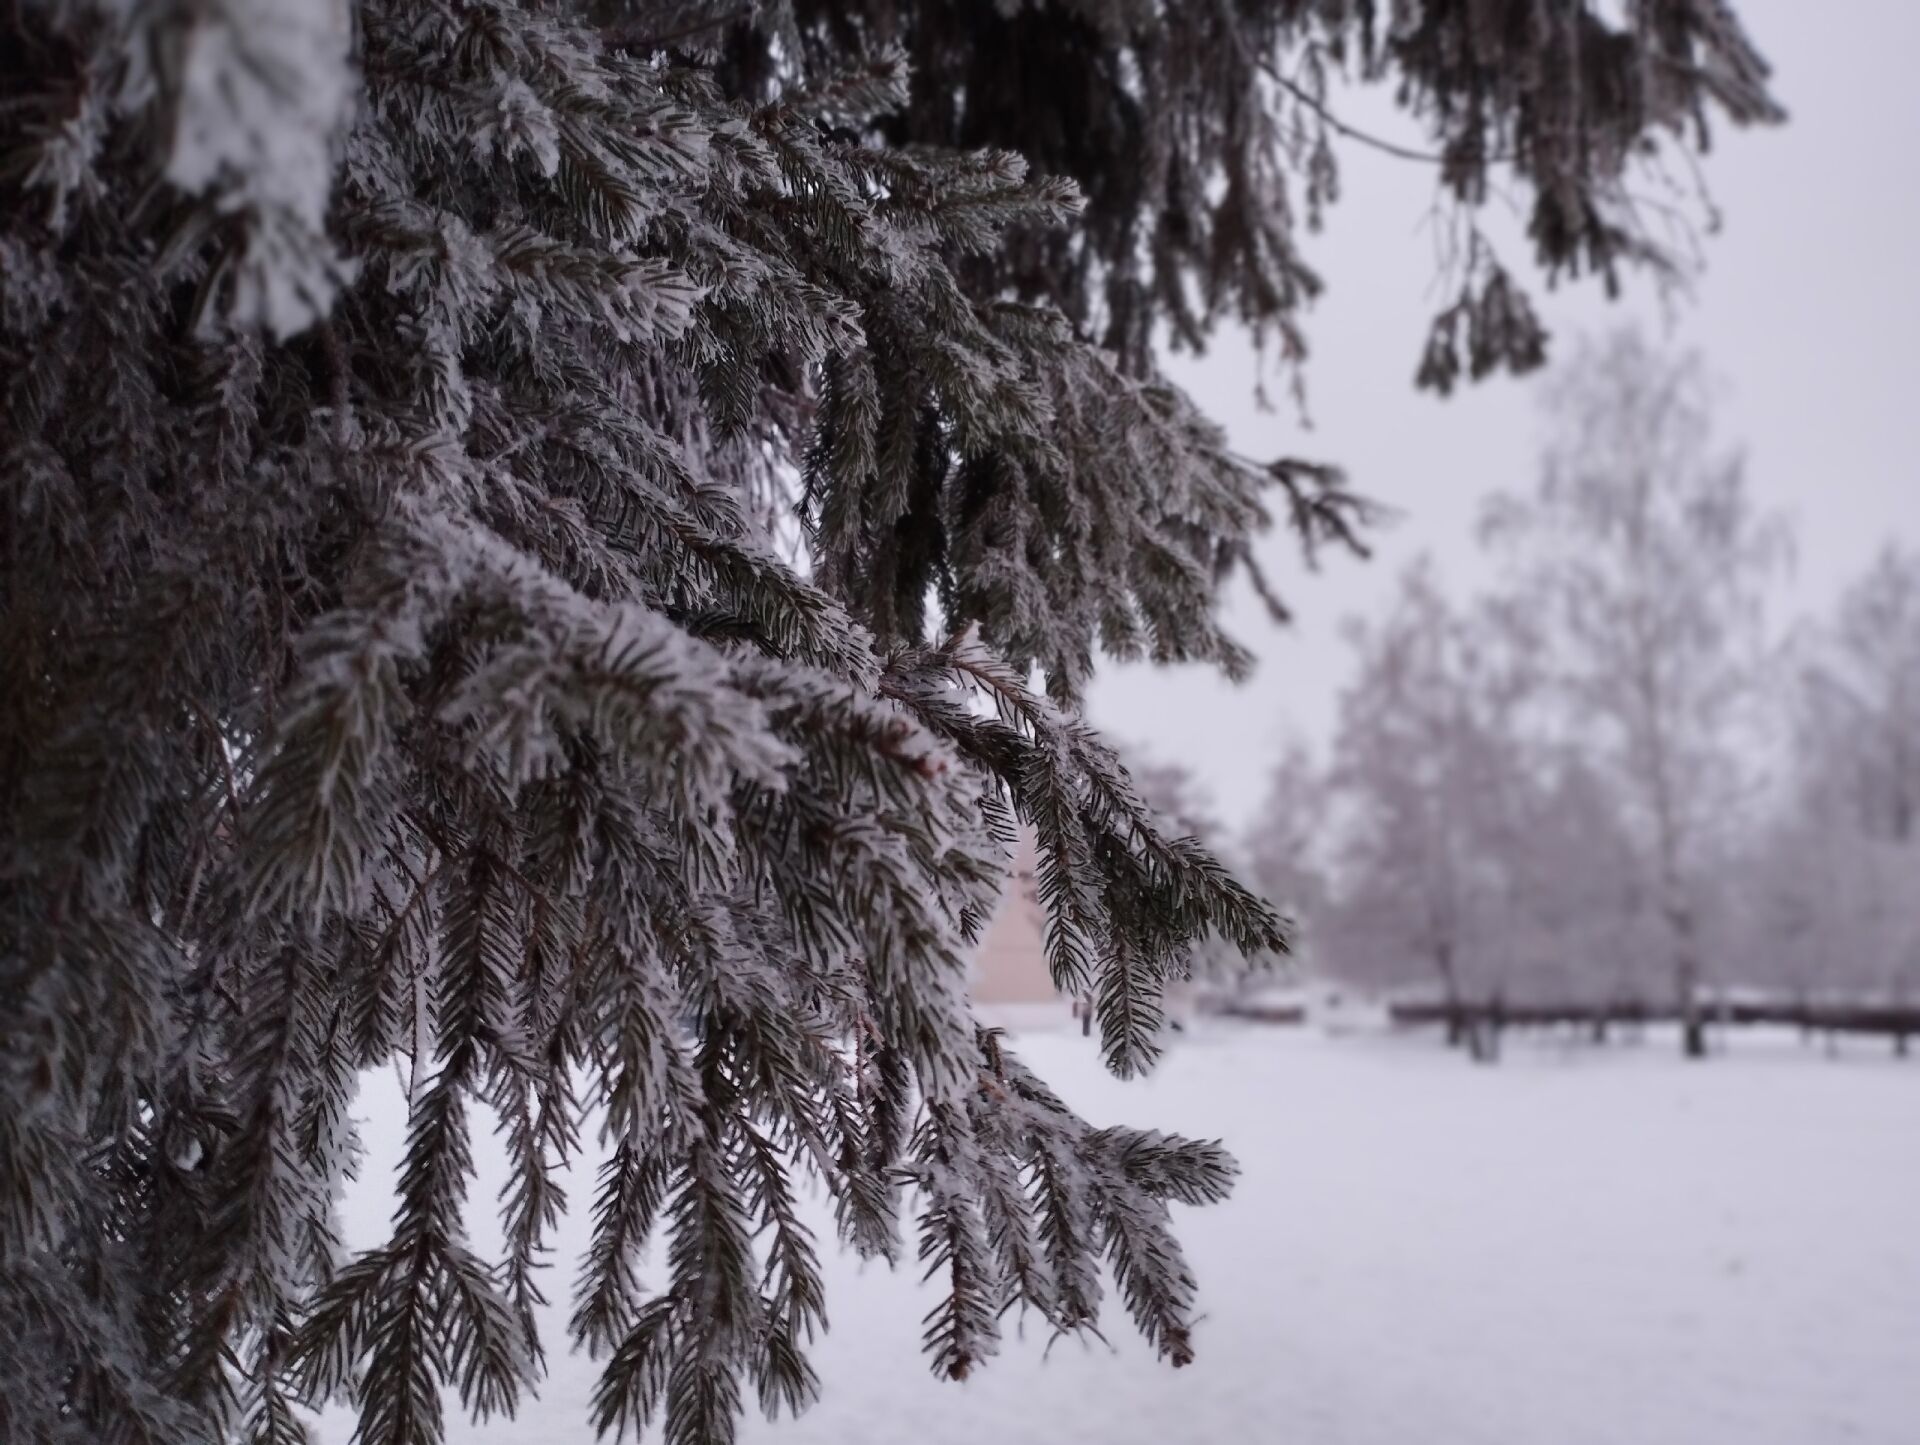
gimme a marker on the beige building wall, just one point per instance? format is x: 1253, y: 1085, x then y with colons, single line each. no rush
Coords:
x: 1011, y: 986
x: 1010, y: 965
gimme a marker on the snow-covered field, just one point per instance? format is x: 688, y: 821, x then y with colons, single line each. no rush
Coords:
x: 1580, y: 1247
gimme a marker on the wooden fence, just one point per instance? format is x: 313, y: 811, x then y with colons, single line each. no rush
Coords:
x: 1898, y: 1022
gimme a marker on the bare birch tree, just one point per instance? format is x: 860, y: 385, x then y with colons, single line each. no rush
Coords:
x: 1860, y: 712
x: 1833, y: 874
x: 1420, y: 774
x: 1646, y: 566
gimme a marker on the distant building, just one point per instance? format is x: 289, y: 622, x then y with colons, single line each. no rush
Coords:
x: 1011, y: 985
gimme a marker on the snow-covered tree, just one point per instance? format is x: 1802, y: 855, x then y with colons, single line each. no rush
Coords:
x: 399, y: 398
x: 1580, y: 923
x: 1480, y: 851
x: 1820, y: 911
x: 1831, y: 875
x: 1859, y: 719
x: 1285, y: 842
x: 1179, y: 800
x: 1421, y: 772
x: 1645, y: 567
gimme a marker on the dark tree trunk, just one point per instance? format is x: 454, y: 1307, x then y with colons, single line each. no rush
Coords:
x: 1483, y: 1026
x: 1686, y: 966
x: 1693, y: 1033
x: 1479, y: 1034
x: 1459, y: 1030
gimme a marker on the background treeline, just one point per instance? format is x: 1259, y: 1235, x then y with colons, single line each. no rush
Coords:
x: 1613, y: 782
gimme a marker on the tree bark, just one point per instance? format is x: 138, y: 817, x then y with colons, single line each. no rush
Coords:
x: 1686, y: 973
x: 1693, y: 1033
x: 1458, y: 1030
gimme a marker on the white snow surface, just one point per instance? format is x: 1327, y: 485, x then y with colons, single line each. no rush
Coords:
x: 1578, y: 1247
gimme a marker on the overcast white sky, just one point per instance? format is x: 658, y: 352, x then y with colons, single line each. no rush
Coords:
x: 1808, y: 311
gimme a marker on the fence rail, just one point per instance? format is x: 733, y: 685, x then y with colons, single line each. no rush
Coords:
x: 1895, y: 1021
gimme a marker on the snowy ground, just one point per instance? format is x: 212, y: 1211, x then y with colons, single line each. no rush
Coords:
x: 1580, y: 1247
